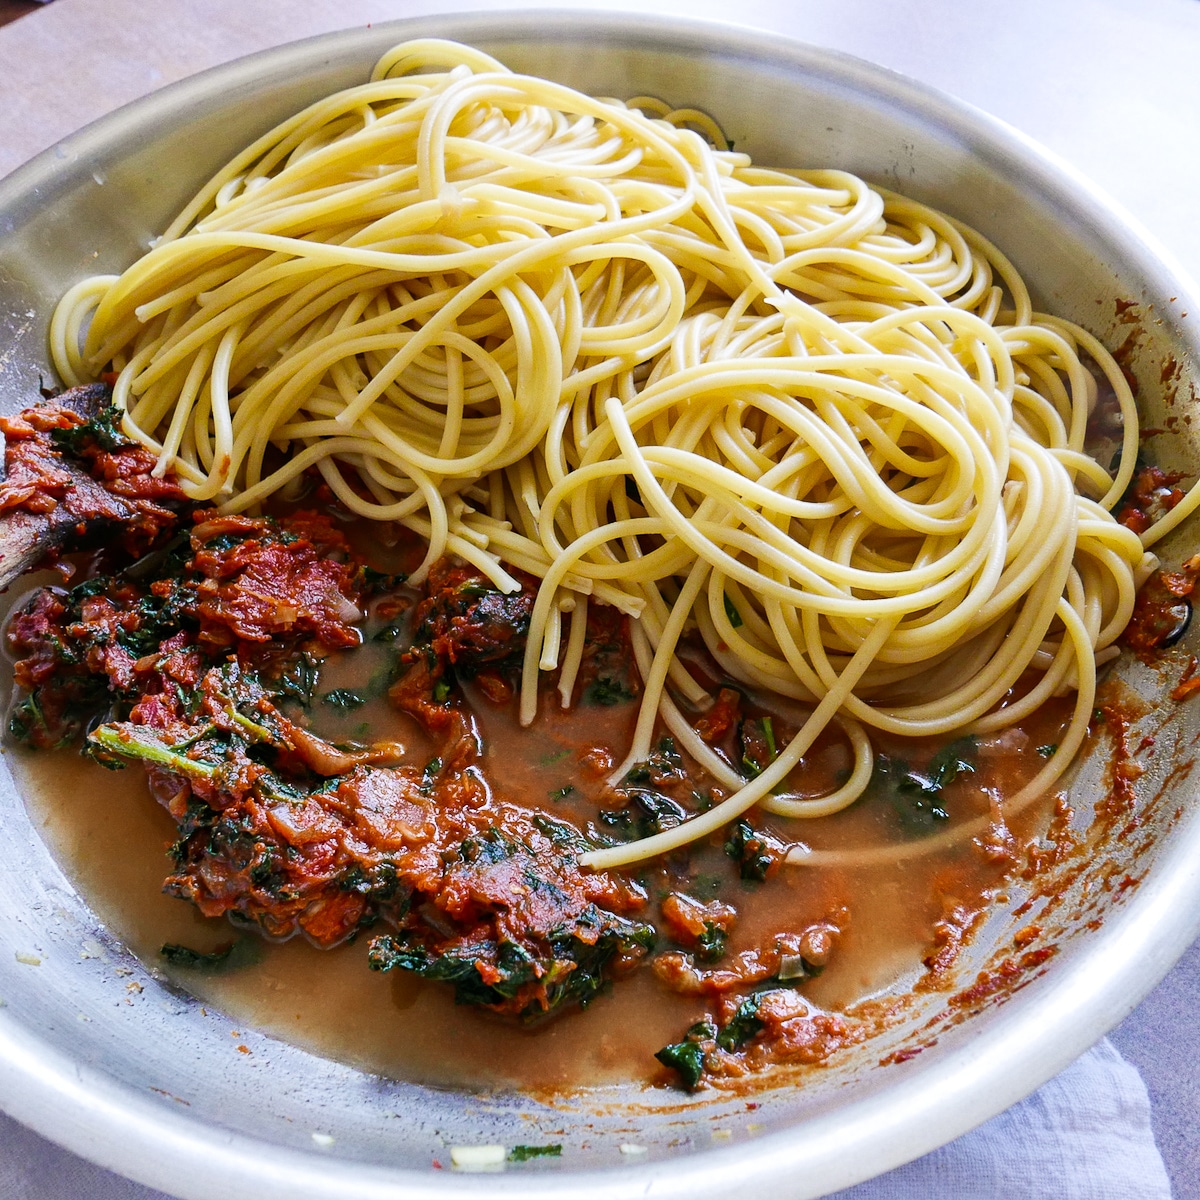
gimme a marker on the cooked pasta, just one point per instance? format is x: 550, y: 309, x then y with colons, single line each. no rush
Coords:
x: 813, y: 423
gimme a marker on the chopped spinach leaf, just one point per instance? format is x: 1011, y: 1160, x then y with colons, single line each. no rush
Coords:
x: 564, y: 835
x: 184, y: 956
x: 735, y: 617
x: 957, y: 758
x: 570, y: 969
x: 379, y: 882
x: 241, y: 953
x: 27, y: 716
x: 433, y: 768
x: 754, y: 852
x: 645, y: 814
x: 916, y: 795
x: 299, y: 681
x: 343, y: 699
x: 915, y: 801
x: 379, y: 581
x: 665, y: 765
x: 607, y: 691
x: 223, y: 542
x: 89, y: 587
x: 525, y: 1153
x: 742, y: 1026
x: 706, y: 885
x: 103, y: 429
x: 710, y: 945
x: 687, y: 1058
x: 756, y: 735
x: 380, y: 681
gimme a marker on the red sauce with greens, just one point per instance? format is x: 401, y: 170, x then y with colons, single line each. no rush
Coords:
x: 337, y: 756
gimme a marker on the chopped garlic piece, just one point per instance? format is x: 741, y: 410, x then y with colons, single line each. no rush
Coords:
x: 477, y: 1157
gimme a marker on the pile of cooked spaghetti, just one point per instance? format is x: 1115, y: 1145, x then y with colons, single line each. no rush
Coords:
x: 813, y: 423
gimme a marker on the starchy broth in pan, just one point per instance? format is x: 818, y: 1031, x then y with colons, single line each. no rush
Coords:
x: 112, y: 839
x: 683, y: 593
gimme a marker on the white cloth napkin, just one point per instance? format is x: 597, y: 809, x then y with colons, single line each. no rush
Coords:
x: 1084, y: 1136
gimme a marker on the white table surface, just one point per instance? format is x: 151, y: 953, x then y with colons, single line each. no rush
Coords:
x: 1114, y: 88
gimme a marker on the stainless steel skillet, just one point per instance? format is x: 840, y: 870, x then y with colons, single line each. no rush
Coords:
x: 150, y: 1089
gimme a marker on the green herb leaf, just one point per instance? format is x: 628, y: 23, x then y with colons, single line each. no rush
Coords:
x: 374, y: 581
x: 525, y: 1153
x: 103, y: 429
x: 570, y: 970
x: 433, y: 768
x: 756, y: 736
x: 665, y: 765
x: 754, y: 852
x: 184, y: 956
x: 299, y: 681
x: 916, y: 795
x: 769, y: 734
x: 957, y: 758
x: 646, y: 813
x: 735, y: 617
x: 242, y: 953
x: 710, y: 945
x: 687, y: 1058
x: 563, y: 834
x: 743, y: 1025
x: 607, y: 691
x: 343, y: 699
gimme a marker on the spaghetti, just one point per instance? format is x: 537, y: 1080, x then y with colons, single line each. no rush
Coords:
x: 816, y: 423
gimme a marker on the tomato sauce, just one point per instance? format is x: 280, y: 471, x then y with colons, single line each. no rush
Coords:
x: 890, y: 919
x: 360, y: 793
